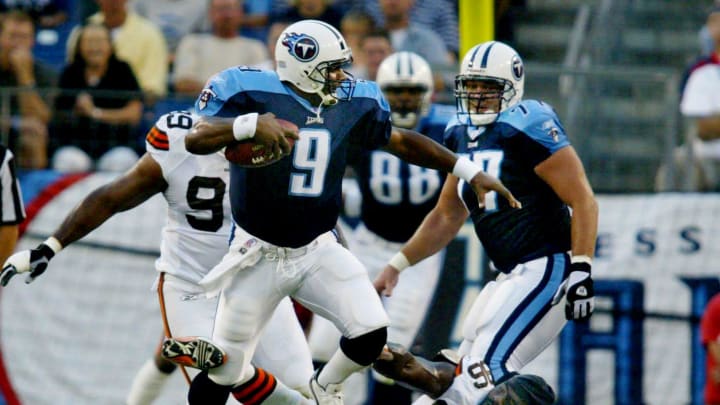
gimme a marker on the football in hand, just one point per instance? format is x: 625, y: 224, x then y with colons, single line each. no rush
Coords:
x: 251, y: 154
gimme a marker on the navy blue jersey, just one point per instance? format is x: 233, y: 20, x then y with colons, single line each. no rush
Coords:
x: 291, y: 202
x: 520, y: 139
x: 397, y: 195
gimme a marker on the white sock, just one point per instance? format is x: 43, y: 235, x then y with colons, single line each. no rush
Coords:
x: 337, y: 369
x: 282, y: 395
x: 147, y: 384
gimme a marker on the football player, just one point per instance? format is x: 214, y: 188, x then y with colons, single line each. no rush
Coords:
x: 393, y: 188
x: 451, y: 380
x: 543, y: 252
x: 193, y: 241
x: 289, y: 207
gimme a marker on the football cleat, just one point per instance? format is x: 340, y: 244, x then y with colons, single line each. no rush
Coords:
x: 195, y: 352
x: 330, y: 395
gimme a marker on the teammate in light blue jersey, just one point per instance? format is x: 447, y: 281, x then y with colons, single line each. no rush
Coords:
x: 285, y: 212
x: 543, y: 251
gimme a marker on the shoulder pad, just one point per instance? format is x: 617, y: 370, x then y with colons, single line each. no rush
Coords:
x: 226, y: 84
x: 538, y: 121
x: 370, y: 89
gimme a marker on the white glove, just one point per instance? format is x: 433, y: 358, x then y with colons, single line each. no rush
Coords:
x: 579, y: 291
x: 34, y: 261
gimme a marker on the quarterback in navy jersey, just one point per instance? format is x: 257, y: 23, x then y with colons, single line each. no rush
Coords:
x: 543, y: 252
x: 396, y: 196
x: 284, y: 213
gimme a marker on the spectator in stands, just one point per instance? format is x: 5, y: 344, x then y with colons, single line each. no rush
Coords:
x: 355, y: 25
x: 137, y: 41
x: 104, y: 114
x: 12, y: 211
x: 256, y: 19
x: 175, y: 18
x: 710, y: 336
x: 437, y: 16
x: 45, y: 13
x: 701, y: 104
x: 200, y: 56
x: 29, y: 112
x: 374, y: 47
x: 322, y: 10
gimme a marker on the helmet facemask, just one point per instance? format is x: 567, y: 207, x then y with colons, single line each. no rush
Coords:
x: 491, y: 80
x: 331, y: 91
x: 407, y: 103
x: 480, y: 99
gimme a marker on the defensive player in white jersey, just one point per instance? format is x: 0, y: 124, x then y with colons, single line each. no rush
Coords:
x: 393, y: 188
x: 544, y: 250
x: 194, y: 239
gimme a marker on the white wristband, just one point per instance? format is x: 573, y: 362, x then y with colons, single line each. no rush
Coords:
x: 465, y: 169
x: 581, y: 259
x: 399, y: 261
x: 244, y: 126
x: 53, y: 244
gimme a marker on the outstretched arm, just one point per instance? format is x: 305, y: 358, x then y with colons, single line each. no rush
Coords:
x: 438, y: 228
x: 137, y: 185
x: 420, y: 150
x: 414, y: 372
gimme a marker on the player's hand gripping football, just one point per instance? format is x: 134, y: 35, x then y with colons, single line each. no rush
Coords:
x: 273, y: 135
x: 483, y: 183
x: 579, y: 291
x: 34, y: 261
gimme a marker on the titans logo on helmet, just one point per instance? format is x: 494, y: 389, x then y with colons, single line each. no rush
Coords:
x: 302, y: 46
x: 517, y: 67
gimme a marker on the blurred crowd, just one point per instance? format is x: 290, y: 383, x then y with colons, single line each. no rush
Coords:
x: 85, y: 77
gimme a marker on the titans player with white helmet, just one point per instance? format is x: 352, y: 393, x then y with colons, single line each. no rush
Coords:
x: 194, y: 239
x: 285, y: 211
x: 543, y: 252
x: 394, y: 189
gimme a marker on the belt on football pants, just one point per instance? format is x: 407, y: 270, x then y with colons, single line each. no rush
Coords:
x: 272, y: 252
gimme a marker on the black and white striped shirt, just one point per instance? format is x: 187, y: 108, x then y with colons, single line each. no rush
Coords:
x: 12, y: 210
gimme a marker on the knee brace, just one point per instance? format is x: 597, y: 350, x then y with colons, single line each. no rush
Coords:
x: 366, y: 348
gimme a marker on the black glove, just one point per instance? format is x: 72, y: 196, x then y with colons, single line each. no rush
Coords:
x: 579, y: 292
x: 35, y: 261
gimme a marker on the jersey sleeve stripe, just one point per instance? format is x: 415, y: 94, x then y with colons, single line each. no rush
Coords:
x: 158, y: 139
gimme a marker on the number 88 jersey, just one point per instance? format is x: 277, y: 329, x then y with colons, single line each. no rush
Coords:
x: 195, y: 236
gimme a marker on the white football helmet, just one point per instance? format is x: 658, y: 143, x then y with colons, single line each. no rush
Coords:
x: 487, y: 65
x: 304, y: 53
x: 406, y: 70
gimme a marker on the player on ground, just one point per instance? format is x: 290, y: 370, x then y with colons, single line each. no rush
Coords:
x: 394, y: 189
x: 515, y: 317
x: 288, y: 208
x: 452, y: 380
x: 194, y: 240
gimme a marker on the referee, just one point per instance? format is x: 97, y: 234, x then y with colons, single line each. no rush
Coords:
x: 12, y: 211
